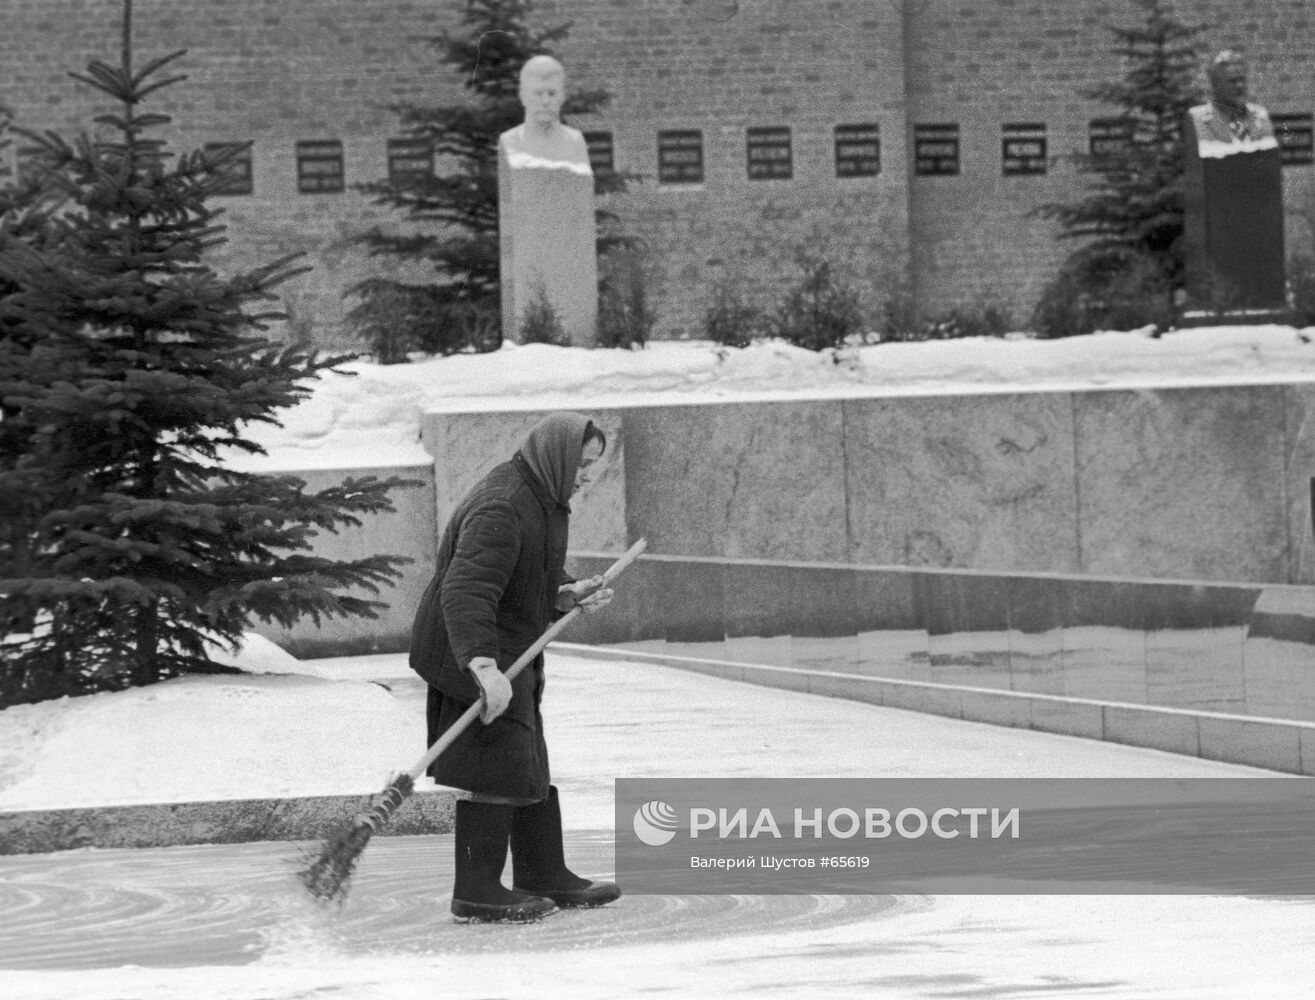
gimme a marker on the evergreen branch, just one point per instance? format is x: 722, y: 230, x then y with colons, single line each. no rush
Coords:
x: 140, y: 93
x: 155, y: 65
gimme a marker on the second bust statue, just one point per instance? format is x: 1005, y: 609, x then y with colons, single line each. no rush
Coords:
x: 542, y: 135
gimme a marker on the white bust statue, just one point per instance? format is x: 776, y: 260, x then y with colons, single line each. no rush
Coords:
x: 1228, y: 123
x: 542, y: 140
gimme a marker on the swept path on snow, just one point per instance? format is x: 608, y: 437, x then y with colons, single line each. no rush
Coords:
x: 227, y: 923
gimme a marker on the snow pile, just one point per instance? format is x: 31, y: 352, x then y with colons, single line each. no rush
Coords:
x: 371, y: 416
x: 208, y: 737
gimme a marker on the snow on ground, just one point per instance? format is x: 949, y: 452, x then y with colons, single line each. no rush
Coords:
x: 394, y: 941
x: 284, y: 728
x: 346, y: 726
x: 938, y: 948
x: 372, y: 416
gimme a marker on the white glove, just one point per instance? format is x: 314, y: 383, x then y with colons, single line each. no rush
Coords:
x: 494, y: 688
x: 580, y: 592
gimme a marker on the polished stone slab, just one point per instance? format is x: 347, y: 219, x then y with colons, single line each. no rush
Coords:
x: 1284, y: 613
x: 1200, y: 668
x: 1182, y: 483
x: 1211, y: 648
x: 823, y: 601
x: 967, y: 628
x: 985, y: 482
x: 743, y: 480
x: 890, y: 613
x: 1104, y: 640
x: 1194, y: 638
x: 1036, y: 634
x: 838, y: 655
x: 1279, y: 679
x: 824, y: 618
x: 759, y: 599
x: 638, y: 610
x: 899, y: 654
x: 1299, y: 480
x: 693, y: 596
x: 1278, y: 654
x: 887, y: 600
x: 776, y: 650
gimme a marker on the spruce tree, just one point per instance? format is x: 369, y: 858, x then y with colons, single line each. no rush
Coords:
x: 455, y: 209
x: 128, y: 370
x: 1131, y: 215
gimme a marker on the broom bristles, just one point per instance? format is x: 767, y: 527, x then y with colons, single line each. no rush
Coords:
x: 328, y: 876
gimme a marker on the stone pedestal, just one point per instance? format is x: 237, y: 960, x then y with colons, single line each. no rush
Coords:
x: 1233, y: 229
x: 546, y: 224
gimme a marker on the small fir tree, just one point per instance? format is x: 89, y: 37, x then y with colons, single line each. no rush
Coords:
x: 127, y: 369
x: 626, y: 316
x: 1131, y: 216
x: 539, y: 323
x: 821, y: 311
x: 456, y: 207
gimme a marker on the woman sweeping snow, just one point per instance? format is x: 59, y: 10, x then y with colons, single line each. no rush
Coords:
x: 500, y: 582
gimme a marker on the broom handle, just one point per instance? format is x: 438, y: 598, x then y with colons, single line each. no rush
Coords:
x: 550, y: 633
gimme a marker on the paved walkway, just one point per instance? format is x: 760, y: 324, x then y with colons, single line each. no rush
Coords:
x: 228, y: 922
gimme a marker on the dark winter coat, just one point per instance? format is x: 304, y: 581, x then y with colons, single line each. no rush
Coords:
x: 500, y: 563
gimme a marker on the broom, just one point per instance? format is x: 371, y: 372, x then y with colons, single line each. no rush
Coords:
x: 327, y: 876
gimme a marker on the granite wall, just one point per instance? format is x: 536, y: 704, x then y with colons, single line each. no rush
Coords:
x: 1170, y: 483
x: 1198, y: 484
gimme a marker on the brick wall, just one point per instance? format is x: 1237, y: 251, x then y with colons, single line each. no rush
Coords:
x: 262, y: 70
x: 983, y: 63
x: 328, y: 69
x: 705, y: 66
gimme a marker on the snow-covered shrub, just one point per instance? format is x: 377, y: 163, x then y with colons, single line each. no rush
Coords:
x: 1112, y: 288
x: 396, y: 319
x: 820, y: 311
x: 729, y: 320
x: 625, y: 312
x: 540, y: 324
x: 984, y: 316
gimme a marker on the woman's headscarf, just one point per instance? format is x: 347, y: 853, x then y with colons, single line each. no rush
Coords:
x: 552, y: 451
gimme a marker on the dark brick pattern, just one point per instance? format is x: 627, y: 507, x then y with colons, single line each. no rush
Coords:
x: 277, y: 73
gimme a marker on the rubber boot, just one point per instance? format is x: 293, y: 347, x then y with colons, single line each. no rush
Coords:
x: 481, y: 853
x: 538, y: 860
